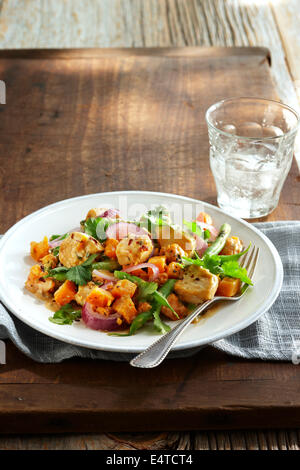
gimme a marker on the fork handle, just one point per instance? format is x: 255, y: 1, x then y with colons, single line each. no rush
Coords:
x: 155, y: 354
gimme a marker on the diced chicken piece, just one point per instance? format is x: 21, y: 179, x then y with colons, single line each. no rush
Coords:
x: 49, y: 262
x: 83, y: 292
x: 76, y: 248
x: 134, y: 249
x: 38, y: 285
x: 232, y: 246
x: 174, y: 271
x: 198, y: 284
x: 168, y: 235
x: 177, y: 305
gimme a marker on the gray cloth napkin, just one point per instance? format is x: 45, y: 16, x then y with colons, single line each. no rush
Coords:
x: 274, y: 336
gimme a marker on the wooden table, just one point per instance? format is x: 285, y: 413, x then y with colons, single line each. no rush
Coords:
x: 147, y: 24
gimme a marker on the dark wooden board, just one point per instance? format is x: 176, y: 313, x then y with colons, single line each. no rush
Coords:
x: 85, y: 121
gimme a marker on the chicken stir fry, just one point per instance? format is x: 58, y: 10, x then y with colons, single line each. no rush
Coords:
x: 117, y: 275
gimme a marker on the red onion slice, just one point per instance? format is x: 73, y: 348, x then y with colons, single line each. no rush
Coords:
x: 97, y: 321
x: 201, y: 245
x: 58, y: 241
x: 103, y: 275
x: 122, y: 229
x: 155, y: 270
x: 55, y: 243
x: 110, y: 214
x: 107, y: 285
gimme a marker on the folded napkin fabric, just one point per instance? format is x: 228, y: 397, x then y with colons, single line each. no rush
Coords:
x: 274, y: 336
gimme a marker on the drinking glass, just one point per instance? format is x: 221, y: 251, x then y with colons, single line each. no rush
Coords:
x: 251, y: 151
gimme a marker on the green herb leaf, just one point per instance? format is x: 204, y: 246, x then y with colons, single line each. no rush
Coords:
x: 137, y: 323
x: 206, y: 234
x: 60, y: 273
x: 90, y: 226
x: 233, y: 269
x: 159, y: 324
x: 155, y: 218
x: 62, y: 237
x: 66, y: 315
x: 80, y: 274
x: 146, y: 289
x: 55, y: 251
x: 194, y: 227
x: 224, y: 265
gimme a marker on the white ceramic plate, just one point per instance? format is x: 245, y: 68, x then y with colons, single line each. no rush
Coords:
x: 60, y: 217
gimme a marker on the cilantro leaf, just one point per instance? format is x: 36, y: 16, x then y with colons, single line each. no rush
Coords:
x: 223, y: 265
x: 90, y: 226
x: 96, y: 227
x: 233, y: 269
x: 66, y: 315
x: 79, y: 274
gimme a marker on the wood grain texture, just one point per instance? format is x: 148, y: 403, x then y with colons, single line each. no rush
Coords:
x: 189, y: 394
x: 71, y: 115
x: 149, y: 23
x: 75, y: 115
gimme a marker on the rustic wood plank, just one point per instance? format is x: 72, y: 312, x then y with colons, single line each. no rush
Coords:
x: 76, y: 385
x: 61, y: 122
x: 117, y: 23
x: 57, y: 117
x: 114, y: 23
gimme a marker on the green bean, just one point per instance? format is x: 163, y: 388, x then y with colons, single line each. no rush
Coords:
x: 108, y: 265
x: 219, y: 242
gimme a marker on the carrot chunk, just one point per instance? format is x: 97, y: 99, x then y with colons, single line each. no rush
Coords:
x: 65, y: 293
x: 144, y: 307
x: 228, y: 287
x: 110, y: 248
x: 125, y: 307
x: 140, y: 273
x: 39, y: 249
x: 204, y: 217
x: 100, y: 298
x: 124, y: 287
x: 178, y: 306
x: 159, y: 262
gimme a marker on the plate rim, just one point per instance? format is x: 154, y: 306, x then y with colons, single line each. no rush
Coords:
x: 177, y: 347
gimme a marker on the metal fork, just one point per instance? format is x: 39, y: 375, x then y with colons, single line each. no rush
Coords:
x: 156, y: 353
